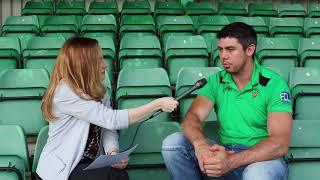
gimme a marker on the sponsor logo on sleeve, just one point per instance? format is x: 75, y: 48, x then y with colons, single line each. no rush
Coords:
x: 285, y: 97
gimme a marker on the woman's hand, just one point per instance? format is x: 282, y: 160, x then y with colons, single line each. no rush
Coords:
x: 120, y: 165
x: 167, y: 104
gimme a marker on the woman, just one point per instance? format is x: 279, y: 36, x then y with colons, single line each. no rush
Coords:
x: 82, y: 123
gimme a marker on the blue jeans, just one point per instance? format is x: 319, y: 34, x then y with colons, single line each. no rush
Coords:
x: 182, y: 164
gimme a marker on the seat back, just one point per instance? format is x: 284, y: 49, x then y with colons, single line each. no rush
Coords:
x: 70, y: 8
x: 309, y: 54
x: 170, y: 8
x: 135, y: 7
x: 39, y: 55
x: 136, y: 87
x: 20, y: 25
x: 146, y: 161
x: 41, y: 141
x: 313, y: 10
x: 64, y: 25
x: 304, y: 156
x: 291, y: 10
x: 305, y: 88
x: 278, y: 53
x: 107, y: 7
x: 13, y: 149
x: 187, y: 77
x: 262, y: 9
x: 185, y: 51
x: 233, y: 9
x: 9, y: 53
x: 21, y: 90
x: 312, y: 27
x: 140, y: 52
x: 37, y: 8
x: 286, y: 27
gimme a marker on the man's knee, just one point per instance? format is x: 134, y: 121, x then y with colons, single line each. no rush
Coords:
x: 173, y: 140
x: 266, y: 170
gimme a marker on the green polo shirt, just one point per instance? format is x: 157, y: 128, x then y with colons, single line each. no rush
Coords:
x: 242, y: 115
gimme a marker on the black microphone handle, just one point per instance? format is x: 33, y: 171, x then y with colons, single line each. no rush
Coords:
x: 187, y: 92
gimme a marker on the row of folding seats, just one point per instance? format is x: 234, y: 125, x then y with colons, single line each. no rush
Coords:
x: 22, y: 89
x: 107, y: 25
x: 279, y: 53
x: 173, y: 8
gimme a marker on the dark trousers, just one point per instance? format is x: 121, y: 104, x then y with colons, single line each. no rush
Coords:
x: 105, y: 173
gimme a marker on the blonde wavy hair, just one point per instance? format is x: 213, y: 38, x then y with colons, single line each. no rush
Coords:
x: 78, y: 64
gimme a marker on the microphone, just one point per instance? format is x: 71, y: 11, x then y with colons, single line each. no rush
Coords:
x: 199, y: 84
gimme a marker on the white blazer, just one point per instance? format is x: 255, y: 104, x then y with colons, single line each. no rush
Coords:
x: 69, y: 131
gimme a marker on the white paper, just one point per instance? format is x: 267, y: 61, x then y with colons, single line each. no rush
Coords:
x: 107, y: 160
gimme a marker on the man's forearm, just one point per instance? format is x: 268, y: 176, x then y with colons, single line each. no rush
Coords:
x: 193, y: 130
x: 268, y: 149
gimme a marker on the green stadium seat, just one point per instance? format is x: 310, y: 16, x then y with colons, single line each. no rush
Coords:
x: 137, y: 25
x: 209, y: 26
x: 106, y: 7
x: 257, y: 23
x: 313, y: 10
x: 174, y: 26
x: 233, y: 9
x: 70, y: 8
x: 99, y: 25
x: 312, y: 27
x: 262, y: 9
x: 41, y: 141
x: 168, y: 8
x: 38, y: 55
x: 305, y: 86
x: 185, y: 51
x: 286, y: 27
x: 9, y: 53
x: 19, y: 26
x: 187, y: 77
x: 140, y: 52
x: 291, y: 10
x: 136, y: 7
x: 277, y: 53
x: 21, y: 91
x: 197, y: 9
x: 304, y: 150
x: 37, y: 8
x: 146, y: 161
x: 67, y: 26
x: 14, y: 156
x: 309, y: 52
x: 136, y: 87
x: 200, y: 8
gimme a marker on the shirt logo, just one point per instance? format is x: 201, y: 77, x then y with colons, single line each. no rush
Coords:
x: 285, y: 97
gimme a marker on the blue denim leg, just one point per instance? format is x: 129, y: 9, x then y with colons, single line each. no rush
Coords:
x: 266, y: 170
x: 179, y: 156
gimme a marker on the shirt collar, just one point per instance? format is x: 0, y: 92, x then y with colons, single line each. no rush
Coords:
x: 227, y: 78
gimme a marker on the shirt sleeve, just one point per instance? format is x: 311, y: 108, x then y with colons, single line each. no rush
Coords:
x: 279, y: 96
x: 110, y: 140
x: 68, y: 103
x: 210, y: 89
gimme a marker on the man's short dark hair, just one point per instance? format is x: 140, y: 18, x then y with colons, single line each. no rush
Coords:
x: 245, y: 33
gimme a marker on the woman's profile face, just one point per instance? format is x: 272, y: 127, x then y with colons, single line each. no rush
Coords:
x: 103, y: 66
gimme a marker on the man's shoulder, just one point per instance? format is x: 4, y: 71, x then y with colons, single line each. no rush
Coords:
x: 271, y: 76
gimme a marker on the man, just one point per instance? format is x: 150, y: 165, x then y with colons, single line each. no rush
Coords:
x: 254, y: 112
